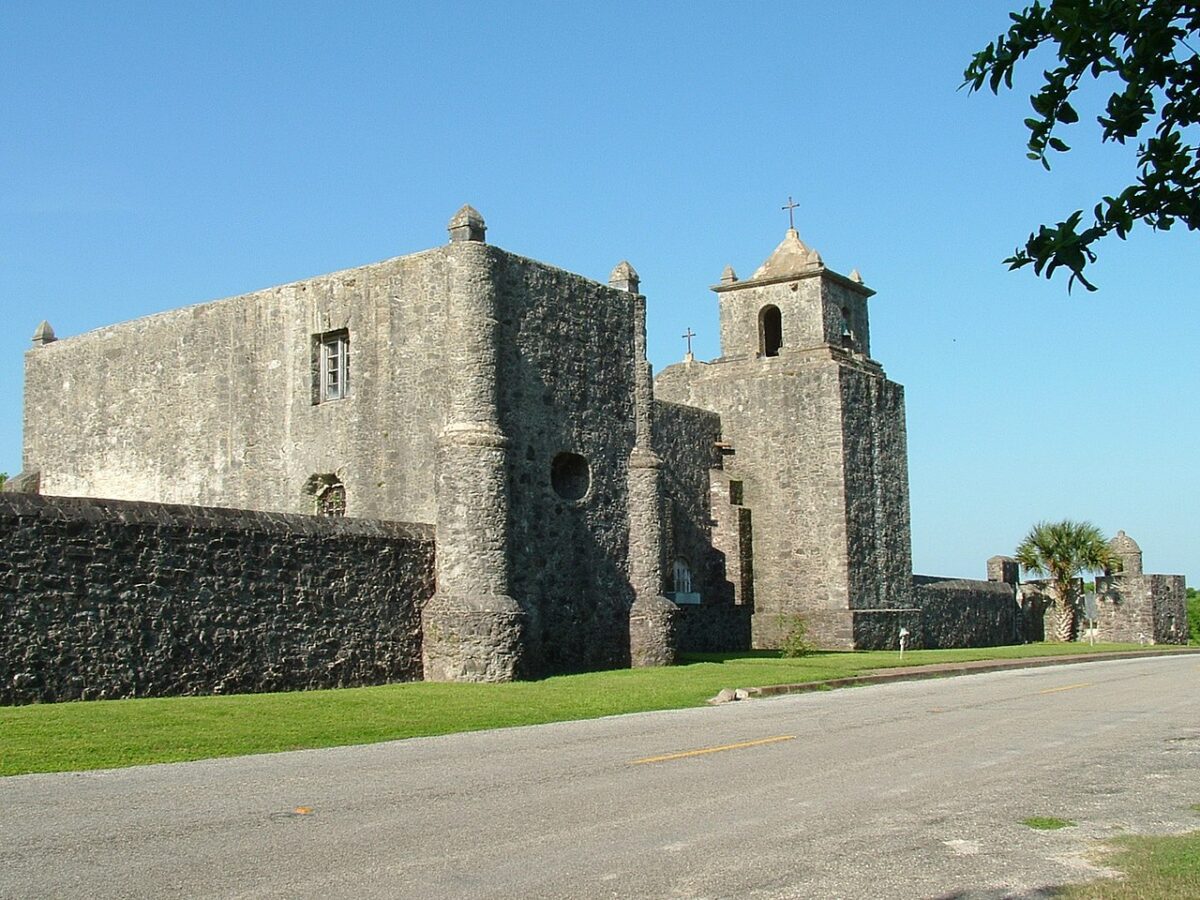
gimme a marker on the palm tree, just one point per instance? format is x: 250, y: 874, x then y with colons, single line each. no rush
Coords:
x: 1062, y: 551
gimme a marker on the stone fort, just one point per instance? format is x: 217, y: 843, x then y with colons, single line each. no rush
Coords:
x: 456, y: 465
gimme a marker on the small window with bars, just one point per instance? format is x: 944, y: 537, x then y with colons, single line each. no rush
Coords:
x: 331, y: 502
x: 331, y: 366
x: 327, y: 495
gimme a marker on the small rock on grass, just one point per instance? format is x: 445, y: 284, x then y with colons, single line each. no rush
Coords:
x: 728, y: 695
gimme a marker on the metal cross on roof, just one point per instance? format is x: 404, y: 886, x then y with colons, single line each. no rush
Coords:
x: 789, y: 206
x: 687, y: 336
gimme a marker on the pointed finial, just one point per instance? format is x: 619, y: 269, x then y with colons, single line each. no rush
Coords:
x: 855, y: 277
x: 467, y: 225
x: 43, y: 335
x: 624, y: 277
x: 728, y: 276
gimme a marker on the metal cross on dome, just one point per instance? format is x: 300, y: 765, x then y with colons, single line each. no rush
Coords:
x: 789, y: 206
x: 687, y: 336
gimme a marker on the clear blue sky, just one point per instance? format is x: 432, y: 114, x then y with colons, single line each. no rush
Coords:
x: 159, y: 154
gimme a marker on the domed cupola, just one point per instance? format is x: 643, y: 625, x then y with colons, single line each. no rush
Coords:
x: 1127, y: 550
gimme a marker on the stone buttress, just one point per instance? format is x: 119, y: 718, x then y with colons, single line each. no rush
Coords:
x: 473, y: 629
x: 652, y: 639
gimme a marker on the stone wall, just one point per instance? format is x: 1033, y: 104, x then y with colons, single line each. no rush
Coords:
x: 879, y: 629
x: 716, y: 628
x: 817, y: 439
x: 1150, y: 609
x: 707, y: 527
x: 213, y: 404
x: 1136, y: 609
x: 102, y: 599
x: 685, y: 438
x: 875, y: 454
x: 962, y: 612
x: 565, y: 385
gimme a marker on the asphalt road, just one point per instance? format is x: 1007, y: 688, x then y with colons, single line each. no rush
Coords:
x: 904, y: 790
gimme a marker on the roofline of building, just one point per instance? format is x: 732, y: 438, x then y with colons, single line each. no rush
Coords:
x: 836, y: 277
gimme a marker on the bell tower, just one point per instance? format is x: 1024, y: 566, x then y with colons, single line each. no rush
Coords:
x: 815, y: 431
x: 792, y: 302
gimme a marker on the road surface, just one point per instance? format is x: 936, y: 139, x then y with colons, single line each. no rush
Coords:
x: 915, y: 789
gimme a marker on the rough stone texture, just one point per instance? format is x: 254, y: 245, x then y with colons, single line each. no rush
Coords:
x: 705, y: 529
x: 212, y: 405
x: 24, y: 483
x: 652, y: 618
x: 1126, y: 549
x: 879, y: 629
x: 474, y: 630
x: 103, y: 599
x: 474, y: 373
x: 567, y: 362
x: 1139, y: 609
x: 1038, y: 611
x: 961, y: 612
x: 685, y: 438
x: 816, y: 436
x: 713, y: 628
x: 1005, y: 569
x: 1142, y: 608
x: 732, y: 540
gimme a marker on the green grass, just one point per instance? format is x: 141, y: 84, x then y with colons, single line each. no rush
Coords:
x: 1156, y: 868
x: 1047, y: 823
x: 101, y: 734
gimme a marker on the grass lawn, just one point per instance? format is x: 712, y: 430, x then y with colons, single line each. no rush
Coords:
x: 1156, y: 868
x: 102, y: 734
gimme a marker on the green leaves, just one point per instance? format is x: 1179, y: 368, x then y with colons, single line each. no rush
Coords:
x: 1067, y: 549
x: 1147, y: 50
x: 1062, y: 551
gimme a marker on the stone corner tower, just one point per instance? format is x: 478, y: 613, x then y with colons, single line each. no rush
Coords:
x: 816, y: 434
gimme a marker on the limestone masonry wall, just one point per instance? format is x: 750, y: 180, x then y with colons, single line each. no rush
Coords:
x: 565, y: 361
x: 213, y: 404
x: 102, y: 599
x: 962, y: 612
x: 722, y: 628
x: 1142, y: 608
x: 878, y: 533
x: 686, y: 440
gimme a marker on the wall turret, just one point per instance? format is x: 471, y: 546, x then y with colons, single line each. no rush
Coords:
x: 1126, y: 549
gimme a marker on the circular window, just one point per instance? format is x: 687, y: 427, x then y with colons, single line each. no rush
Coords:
x: 570, y: 476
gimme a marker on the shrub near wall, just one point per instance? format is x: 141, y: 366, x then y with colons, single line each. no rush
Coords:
x: 102, y: 599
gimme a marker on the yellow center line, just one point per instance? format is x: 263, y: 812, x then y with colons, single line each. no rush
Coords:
x: 701, y: 752
x: 1068, y: 687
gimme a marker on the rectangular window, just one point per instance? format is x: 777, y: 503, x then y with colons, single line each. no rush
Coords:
x: 735, y: 492
x: 331, y: 366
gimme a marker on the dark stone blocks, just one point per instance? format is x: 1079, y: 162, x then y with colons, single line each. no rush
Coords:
x: 101, y: 599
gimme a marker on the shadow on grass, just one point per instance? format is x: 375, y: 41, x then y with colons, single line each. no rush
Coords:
x: 686, y: 659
